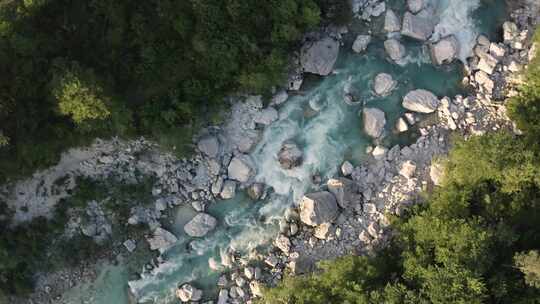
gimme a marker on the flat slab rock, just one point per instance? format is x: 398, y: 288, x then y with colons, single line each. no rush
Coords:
x: 200, y: 225
x: 374, y: 122
x: 320, y: 56
x: 421, y: 101
x: 318, y: 208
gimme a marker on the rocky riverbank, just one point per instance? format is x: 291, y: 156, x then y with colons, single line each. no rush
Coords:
x: 348, y: 215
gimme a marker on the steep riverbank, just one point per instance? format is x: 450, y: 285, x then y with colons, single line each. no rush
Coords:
x: 246, y: 153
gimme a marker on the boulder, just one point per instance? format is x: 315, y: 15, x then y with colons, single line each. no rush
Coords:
x: 391, y: 22
x: 209, y: 146
x: 161, y: 240
x: 445, y: 50
x: 319, y: 57
x: 436, y: 173
x: 290, y: 156
x: 419, y: 27
x: 321, y: 231
x: 223, y: 296
x: 229, y: 189
x: 394, y: 49
x: 379, y: 152
x: 240, y: 169
x: 384, y: 84
x: 510, y: 31
x: 188, y: 293
x: 408, y: 169
x: 280, y: 97
x: 401, y: 125
x: 421, y: 101
x: 130, y: 245
x: 345, y: 191
x: 347, y: 168
x: 415, y: 6
x: 266, y: 116
x: 361, y: 43
x: 318, y: 208
x: 283, y: 243
x: 255, y: 288
x: 200, y: 225
x: 374, y: 122
x: 255, y: 191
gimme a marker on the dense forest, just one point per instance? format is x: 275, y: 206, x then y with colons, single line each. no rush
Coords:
x: 476, y: 240
x: 74, y: 70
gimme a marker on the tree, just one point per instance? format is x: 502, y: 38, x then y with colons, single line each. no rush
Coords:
x: 529, y: 264
x: 78, y: 95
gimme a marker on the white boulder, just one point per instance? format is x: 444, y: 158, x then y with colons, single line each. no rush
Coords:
x: 319, y: 57
x: 384, y: 84
x: 374, y: 122
x: 395, y: 50
x: 445, y: 50
x: 361, y: 43
x: 421, y: 101
x: 200, y: 225
x: 240, y: 169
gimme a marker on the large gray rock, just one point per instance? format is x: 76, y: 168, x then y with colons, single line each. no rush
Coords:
x: 391, y: 22
x: 436, y: 173
x: 421, y: 101
x: 161, y: 240
x: 200, y: 225
x: 187, y: 293
x: 229, y: 189
x: 345, y: 191
x: 445, y: 50
x: 361, y: 43
x: 240, y: 169
x: 318, y: 208
x: 384, y: 84
x: 209, y: 146
x: 418, y: 26
x: 415, y: 6
x: 374, y: 122
x: 266, y: 116
x: 320, y: 56
x: 290, y: 156
x: 395, y: 49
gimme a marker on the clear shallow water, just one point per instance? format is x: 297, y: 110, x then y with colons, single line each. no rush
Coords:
x: 327, y: 129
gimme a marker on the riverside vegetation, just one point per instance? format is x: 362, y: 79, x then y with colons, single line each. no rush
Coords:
x: 476, y: 240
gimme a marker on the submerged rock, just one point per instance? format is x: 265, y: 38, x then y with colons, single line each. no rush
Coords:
x: 374, y: 122
x: 394, y: 49
x: 347, y: 168
x: 290, y: 156
x: 318, y: 208
x: 361, y: 43
x: 419, y: 27
x: 200, y: 225
x: 445, y: 51
x: 421, y: 101
x: 384, y: 84
x: 320, y: 56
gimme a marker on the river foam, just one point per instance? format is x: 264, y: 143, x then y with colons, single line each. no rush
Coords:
x: 456, y: 18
